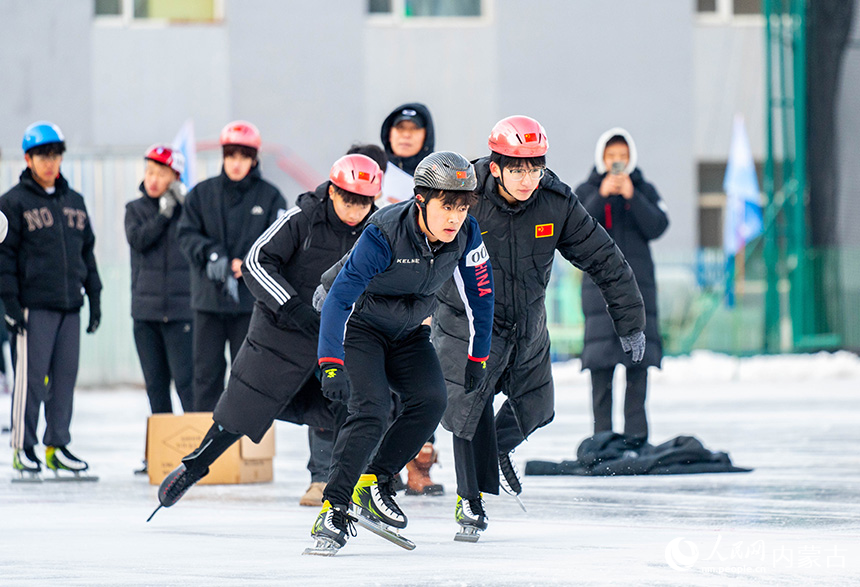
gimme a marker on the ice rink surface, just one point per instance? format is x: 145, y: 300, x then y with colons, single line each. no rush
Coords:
x: 795, y: 520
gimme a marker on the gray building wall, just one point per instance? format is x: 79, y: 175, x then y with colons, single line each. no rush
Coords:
x: 45, y: 69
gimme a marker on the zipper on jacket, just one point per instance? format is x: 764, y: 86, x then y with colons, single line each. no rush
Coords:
x: 62, y: 221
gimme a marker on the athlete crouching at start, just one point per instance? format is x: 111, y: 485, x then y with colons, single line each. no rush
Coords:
x: 372, y: 340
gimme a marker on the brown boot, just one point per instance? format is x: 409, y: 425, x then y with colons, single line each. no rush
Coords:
x: 418, y: 469
x: 314, y: 495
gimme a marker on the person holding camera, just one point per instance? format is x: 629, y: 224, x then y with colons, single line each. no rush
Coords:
x: 631, y: 211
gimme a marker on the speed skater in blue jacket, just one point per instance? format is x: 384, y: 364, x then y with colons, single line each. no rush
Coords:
x: 372, y: 339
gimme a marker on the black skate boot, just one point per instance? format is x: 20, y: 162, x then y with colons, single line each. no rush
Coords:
x: 332, y: 528
x: 510, y: 477
x: 60, y: 460
x: 28, y: 465
x: 472, y: 518
x: 373, y: 497
x: 179, y: 481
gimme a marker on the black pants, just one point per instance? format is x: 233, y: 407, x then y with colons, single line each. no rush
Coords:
x: 211, y: 332
x: 378, y: 365
x: 635, y: 419
x: 165, y: 350
x: 46, y: 369
x: 476, y: 461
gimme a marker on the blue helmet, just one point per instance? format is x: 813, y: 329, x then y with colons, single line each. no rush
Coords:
x: 41, y: 133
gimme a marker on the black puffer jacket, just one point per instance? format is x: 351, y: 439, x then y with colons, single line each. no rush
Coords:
x: 272, y: 374
x: 160, y: 283
x: 225, y: 217
x: 410, y: 163
x: 632, y: 224
x: 522, y: 241
x: 47, y: 256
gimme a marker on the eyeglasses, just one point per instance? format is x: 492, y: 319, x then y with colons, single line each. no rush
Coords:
x: 534, y: 173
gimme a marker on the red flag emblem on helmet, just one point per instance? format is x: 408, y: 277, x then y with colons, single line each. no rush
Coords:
x: 543, y: 230
x: 364, y: 175
x: 530, y: 137
x: 461, y: 175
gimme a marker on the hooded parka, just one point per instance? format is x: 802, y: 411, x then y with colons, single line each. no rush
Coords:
x: 521, y: 241
x: 632, y: 224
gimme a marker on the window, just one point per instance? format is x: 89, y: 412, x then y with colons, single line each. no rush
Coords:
x: 730, y: 11
x: 426, y: 8
x: 126, y: 11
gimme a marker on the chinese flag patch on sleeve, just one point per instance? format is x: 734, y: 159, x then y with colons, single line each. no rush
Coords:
x: 543, y: 230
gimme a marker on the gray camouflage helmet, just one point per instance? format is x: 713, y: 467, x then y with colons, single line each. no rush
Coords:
x: 447, y: 171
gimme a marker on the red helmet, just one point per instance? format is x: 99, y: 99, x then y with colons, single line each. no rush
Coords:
x: 358, y: 174
x: 240, y: 132
x: 166, y: 156
x: 518, y: 136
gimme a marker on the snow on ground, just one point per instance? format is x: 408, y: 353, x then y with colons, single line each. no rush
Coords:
x: 795, y: 520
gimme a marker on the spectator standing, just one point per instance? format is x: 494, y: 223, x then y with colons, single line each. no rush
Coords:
x: 221, y: 219
x: 46, y: 263
x: 617, y: 195
x: 160, y: 284
x: 407, y: 136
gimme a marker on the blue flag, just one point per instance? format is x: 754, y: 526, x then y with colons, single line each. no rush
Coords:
x: 743, y: 220
x: 184, y: 143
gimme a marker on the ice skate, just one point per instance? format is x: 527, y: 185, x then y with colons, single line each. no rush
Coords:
x: 510, y: 477
x: 418, y: 470
x: 472, y: 518
x: 28, y: 465
x: 177, y: 482
x: 60, y: 460
x: 375, y: 509
x: 332, y: 528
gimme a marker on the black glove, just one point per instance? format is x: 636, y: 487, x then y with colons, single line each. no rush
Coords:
x: 218, y: 269
x: 296, y: 313
x: 15, y: 321
x: 95, y: 313
x: 231, y: 289
x: 167, y: 204
x: 334, y: 382
x: 634, y: 345
x: 319, y: 297
x: 476, y: 372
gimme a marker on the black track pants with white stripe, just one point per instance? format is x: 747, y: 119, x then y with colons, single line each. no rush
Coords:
x: 46, y: 369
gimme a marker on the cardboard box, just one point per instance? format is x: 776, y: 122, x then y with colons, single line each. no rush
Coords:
x: 170, y: 437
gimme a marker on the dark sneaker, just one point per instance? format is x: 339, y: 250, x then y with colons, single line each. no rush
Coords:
x: 508, y: 474
x: 59, y: 458
x: 26, y: 461
x: 470, y: 512
x: 374, y: 497
x: 177, y: 482
x: 334, y: 523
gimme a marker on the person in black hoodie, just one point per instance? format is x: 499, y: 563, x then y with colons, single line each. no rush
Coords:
x: 275, y: 374
x: 46, y: 262
x: 617, y: 195
x: 407, y: 136
x: 160, y: 284
x: 221, y: 219
x: 526, y: 214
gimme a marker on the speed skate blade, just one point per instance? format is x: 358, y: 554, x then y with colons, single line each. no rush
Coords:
x: 519, y: 501
x: 467, y: 534
x: 71, y: 479
x: 27, y: 478
x: 323, y: 547
x: 383, y: 531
